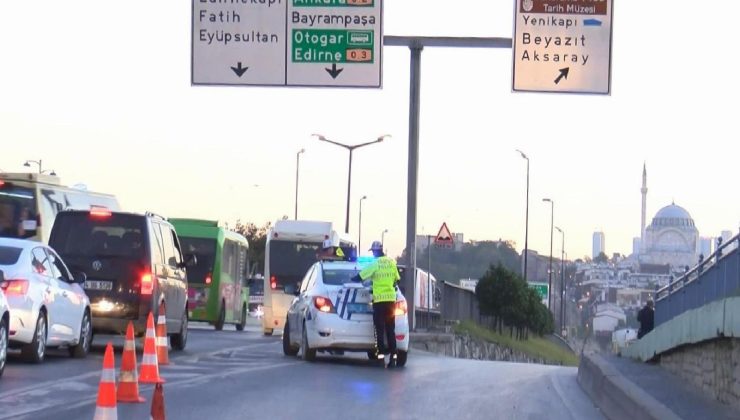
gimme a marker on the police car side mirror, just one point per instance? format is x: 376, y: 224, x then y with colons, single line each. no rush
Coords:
x: 79, y: 277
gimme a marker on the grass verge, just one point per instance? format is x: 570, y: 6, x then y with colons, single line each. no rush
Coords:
x: 533, y: 347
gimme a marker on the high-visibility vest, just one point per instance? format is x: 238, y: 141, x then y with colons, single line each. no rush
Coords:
x: 384, y: 274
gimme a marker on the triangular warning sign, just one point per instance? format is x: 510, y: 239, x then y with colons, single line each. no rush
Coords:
x: 340, y: 253
x: 444, y: 237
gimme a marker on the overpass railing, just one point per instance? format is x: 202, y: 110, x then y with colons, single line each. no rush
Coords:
x: 715, y: 277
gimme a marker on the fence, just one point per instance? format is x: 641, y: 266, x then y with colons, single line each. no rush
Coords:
x: 715, y: 277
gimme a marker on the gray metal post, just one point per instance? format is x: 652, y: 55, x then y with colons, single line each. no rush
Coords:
x: 414, y: 101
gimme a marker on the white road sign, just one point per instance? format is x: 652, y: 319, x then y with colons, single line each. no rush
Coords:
x: 287, y: 42
x: 562, y: 46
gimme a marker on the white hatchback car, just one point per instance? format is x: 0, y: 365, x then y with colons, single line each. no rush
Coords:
x: 4, y: 326
x: 333, y: 313
x: 48, y: 306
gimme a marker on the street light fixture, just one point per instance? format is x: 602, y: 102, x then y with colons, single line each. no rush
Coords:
x: 526, y: 218
x: 350, y: 148
x: 359, y: 228
x: 549, y: 273
x: 41, y: 170
x: 562, y: 279
x: 297, y: 164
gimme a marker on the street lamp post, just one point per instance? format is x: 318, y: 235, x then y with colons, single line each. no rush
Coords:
x: 549, y: 271
x: 562, y: 279
x: 41, y: 169
x: 297, y: 164
x: 359, y: 228
x: 526, y: 218
x: 382, y: 238
x: 349, y: 176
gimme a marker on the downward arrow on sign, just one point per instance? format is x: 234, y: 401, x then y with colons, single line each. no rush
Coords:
x: 239, y: 70
x: 333, y: 71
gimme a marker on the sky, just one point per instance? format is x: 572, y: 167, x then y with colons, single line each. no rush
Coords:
x: 100, y: 91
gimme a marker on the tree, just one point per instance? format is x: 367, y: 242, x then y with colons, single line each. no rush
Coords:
x: 601, y: 258
x: 257, y: 238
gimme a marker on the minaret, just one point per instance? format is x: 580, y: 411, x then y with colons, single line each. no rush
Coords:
x: 644, y: 191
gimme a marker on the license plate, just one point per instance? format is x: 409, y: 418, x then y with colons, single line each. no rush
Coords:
x: 98, y: 285
x: 359, y: 308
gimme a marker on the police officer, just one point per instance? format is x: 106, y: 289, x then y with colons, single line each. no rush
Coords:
x: 383, y: 274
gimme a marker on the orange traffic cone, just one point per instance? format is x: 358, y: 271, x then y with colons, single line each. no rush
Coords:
x: 105, y: 409
x: 162, y: 342
x: 149, y: 367
x: 157, y: 412
x: 128, y: 381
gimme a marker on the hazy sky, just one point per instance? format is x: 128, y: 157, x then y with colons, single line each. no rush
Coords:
x: 101, y: 92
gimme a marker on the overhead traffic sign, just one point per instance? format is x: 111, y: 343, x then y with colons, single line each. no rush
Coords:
x: 444, y: 237
x: 287, y: 42
x: 541, y: 289
x: 562, y: 46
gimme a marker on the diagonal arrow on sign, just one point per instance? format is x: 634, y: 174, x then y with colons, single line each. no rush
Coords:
x: 563, y: 73
x: 239, y: 70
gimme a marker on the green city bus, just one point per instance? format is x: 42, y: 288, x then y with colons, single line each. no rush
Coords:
x: 217, y: 284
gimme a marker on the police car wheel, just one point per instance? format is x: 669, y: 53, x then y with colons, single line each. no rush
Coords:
x: 288, y: 349
x: 309, y: 355
x: 402, y: 356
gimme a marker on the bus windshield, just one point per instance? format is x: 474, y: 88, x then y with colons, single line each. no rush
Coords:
x: 289, y: 260
x: 205, y: 253
x: 17, y: 211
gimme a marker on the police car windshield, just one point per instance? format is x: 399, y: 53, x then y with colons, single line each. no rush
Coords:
x: 338, y: 277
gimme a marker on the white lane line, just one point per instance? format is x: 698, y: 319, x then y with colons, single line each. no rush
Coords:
x: 55, y: 382
x: 174, y: 384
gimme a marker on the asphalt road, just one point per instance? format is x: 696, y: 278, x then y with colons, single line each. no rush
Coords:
x: 243, y: 375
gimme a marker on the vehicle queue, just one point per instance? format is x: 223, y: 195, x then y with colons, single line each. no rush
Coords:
x: 73, y: 265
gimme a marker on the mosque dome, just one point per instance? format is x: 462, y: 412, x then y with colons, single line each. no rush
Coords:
x: 673, y: 216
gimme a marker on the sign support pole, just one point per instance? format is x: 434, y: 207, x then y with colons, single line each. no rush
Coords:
x: 416, y: 45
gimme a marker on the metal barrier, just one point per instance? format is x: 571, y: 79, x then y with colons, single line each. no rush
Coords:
x: 715, y: 277
x: 459, y: 304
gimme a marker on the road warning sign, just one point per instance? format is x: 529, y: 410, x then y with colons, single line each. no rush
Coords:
x: 444, y: 237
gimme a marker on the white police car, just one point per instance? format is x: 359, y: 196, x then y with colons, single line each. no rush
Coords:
x: 333, y: 313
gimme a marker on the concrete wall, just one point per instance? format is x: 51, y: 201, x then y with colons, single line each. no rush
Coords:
x: 467, y: 347
x: 713, y: 366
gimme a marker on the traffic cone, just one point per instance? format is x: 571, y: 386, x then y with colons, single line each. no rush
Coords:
x: 128, y: 381
x: 157, y: 412
x: 105, y: 408
x: 162, y: 342
x: 149, y: 367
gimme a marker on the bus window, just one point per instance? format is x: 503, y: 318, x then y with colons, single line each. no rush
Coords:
x: 290, y: 260
x: 18, y: 217
x: 205, y: 253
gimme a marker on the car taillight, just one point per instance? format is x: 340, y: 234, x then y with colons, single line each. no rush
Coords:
x: 14, y: 287
x: 147, y: 284
x: 401, y: 308
x: 273, y: 282
x: 209, y: 279
x: 323, y: 304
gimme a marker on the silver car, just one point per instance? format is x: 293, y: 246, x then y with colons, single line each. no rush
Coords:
x: 48, y: 306
x: 4, y: 322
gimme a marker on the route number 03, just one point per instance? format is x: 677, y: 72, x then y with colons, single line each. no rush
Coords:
x: 359, y: 54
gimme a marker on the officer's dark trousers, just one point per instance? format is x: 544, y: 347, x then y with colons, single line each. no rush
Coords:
x: 385, y: 326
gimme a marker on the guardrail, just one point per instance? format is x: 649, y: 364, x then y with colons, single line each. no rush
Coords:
x: 715, y: 277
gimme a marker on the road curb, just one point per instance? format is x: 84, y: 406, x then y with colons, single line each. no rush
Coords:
x: 617, y: 396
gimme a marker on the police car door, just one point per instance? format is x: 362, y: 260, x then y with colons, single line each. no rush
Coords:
x: 297, y: 312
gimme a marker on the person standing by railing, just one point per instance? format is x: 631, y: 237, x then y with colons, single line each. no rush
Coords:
x: 646, y: 317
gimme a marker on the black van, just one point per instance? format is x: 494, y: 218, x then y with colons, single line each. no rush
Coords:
x: 133, y: 262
